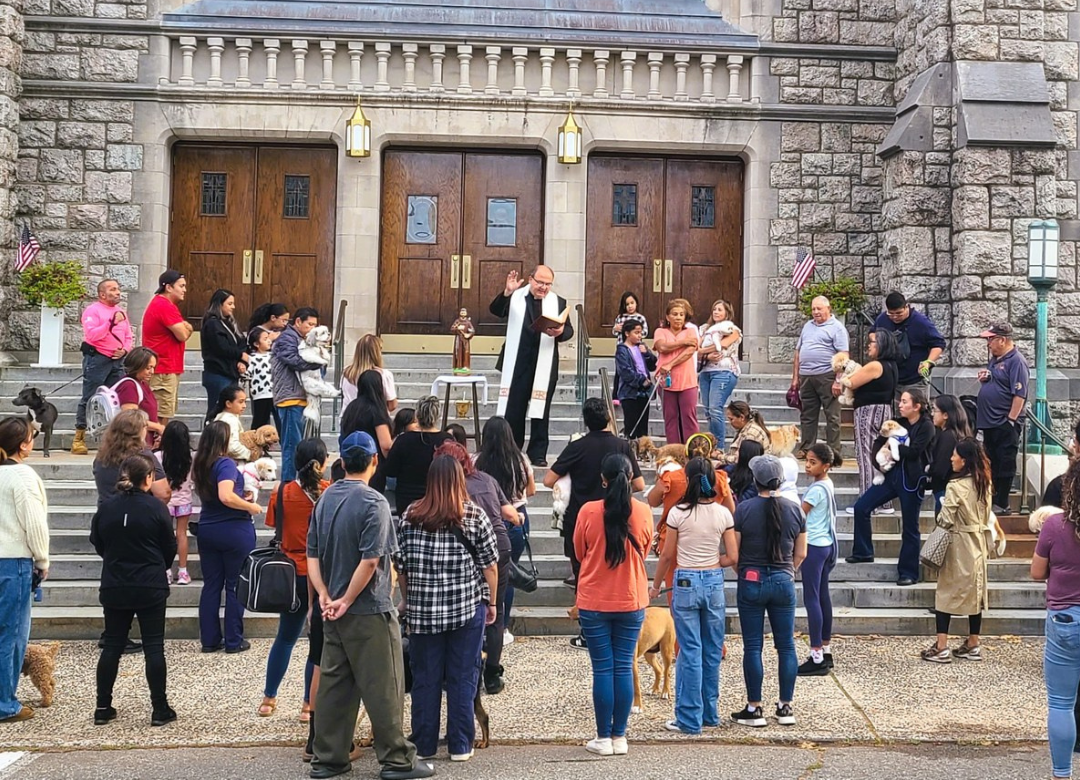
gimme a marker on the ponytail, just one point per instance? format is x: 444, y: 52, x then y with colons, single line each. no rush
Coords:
x: 615, y: 470
x: 309, y: 459
x: 826, y: 454
x: 774, y: 529
x: 133, y: 473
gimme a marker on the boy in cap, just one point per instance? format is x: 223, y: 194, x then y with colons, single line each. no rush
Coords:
x: 165, y: 331
x: 1000, y: 408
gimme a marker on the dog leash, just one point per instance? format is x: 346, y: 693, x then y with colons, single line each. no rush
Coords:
x: 58, y: 389
x: 645, y: 411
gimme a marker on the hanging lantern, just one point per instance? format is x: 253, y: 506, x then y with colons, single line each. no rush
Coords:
x: 569, y: 144
x: 358, y: 134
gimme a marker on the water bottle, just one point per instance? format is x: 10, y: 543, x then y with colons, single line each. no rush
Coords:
x: 667, y: 380
x: 38, y: 594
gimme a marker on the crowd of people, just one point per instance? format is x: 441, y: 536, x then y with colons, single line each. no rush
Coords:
x: 406, y: 509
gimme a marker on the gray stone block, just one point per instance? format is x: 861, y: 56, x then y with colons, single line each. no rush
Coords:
x: 983, y: 252
x: 124, y: 157
x: 81, y: 135
x: 109, y: 65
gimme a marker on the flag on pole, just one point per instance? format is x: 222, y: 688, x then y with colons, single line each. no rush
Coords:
x: 28, y: 249
x: 804, y: 268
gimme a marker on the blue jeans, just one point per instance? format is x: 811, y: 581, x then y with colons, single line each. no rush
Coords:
x: 97, y: 370
x: 910, y: 506
x: 292, y: 431
x: 773, y: 595
x: 517, y: 535
x: 450, y: 658
x: 697, y: 606
x: 15, y: 574
x: 612, y: 641
x: 222, y: 550
x: 290, y: 626
x: 715, y: 388
x: 214, y: 384
x: 1061, y: 668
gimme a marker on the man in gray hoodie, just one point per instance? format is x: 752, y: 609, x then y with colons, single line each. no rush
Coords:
x: 289, y: 396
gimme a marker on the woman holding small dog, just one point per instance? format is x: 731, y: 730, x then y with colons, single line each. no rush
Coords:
x: 961, y: 582
x: 133, y: 534
x: 720, y: 370
x: 224, y: 348
x: 24, y: 551
x: 700, y: 544
x: 230, y: 405
x: 875, y: 386
x: 611, y: 539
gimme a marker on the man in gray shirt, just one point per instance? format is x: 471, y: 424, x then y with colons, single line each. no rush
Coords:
x: 349, y: 543
x: 822, y: 338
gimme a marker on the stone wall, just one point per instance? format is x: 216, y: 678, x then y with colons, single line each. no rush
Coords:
x: 11, y: 52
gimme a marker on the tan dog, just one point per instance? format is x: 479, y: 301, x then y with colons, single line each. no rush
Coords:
x: 644, y: 449
x: 783, y: 440
x: 997, y: 535
x: 845, y: 367
x: 673, y: 452
x: 259, y: 440
x: 39, y: 665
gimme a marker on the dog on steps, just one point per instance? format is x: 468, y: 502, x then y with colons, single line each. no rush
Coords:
x: 41, y: 414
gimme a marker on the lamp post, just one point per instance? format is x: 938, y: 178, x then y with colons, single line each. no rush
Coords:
x: 1042, y: 274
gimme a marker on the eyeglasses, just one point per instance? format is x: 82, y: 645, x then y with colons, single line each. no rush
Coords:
x: 545, y: 285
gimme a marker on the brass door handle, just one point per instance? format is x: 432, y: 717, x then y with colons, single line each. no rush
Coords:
x: 455, y: 272
x: 246, y: 275
x: 657, y: 275
x: 466, y: 272
x: 258, y: 266
x: 669, y: 273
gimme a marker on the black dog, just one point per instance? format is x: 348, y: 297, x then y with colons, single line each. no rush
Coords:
x: 41, y: 413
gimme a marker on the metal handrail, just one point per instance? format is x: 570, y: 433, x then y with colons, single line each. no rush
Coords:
x: 339, y: 357
x: 605, y: 393
x: 863, y: 322
x: 584, y: 350
x: 1046, y: 435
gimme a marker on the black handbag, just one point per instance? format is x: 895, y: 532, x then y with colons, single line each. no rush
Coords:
x: 268, y: 576
x: 524, y: 578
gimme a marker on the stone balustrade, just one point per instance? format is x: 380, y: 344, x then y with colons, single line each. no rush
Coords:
x: 301, y: 64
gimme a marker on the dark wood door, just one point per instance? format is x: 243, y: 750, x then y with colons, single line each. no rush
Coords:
x: 663, y: 229
x: 259, y: 221
x: 703, y: 233
x: 453, y: 225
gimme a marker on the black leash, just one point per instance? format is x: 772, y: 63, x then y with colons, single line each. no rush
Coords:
x: 58, y: 389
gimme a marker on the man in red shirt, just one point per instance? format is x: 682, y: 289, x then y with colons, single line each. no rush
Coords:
x: 165, y: 331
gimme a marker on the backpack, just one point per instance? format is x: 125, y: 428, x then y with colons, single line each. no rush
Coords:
x: 268, y: 577
x: 104, y: 405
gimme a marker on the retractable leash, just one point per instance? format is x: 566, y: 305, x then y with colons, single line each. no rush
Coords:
x: 645, y: 410
x: 58, y: 389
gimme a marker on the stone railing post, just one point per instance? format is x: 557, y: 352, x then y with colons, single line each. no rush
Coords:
x: 547, y: 59
x: 299, y: 51
x: 734, y: 67
x: 600, y: 60
x: 682, y: 62
x: 464, y: 55
x: 187, y: 61
x: 708, y: 65
x: 327, y: 49
x: 216, y: 47
x: 573, y: 64
x: 493, y: 55
x: 243, y: 57
x: 356, y: 58
x: 627, y: 59
x: 438, y: 54
x: 382, y: 70
x: 410, y: 51
x: 272, y: 47
x: 521, y: 56
x: 656, y: 59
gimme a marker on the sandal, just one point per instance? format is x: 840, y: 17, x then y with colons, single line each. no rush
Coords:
x: 266, y: 709
x: 305, y: 713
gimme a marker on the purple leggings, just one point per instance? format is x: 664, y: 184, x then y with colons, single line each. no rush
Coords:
x: 815, y: 581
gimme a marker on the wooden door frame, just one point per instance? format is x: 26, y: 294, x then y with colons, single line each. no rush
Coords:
x: 443, y: 344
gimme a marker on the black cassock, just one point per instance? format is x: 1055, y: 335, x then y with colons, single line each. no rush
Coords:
x: 517, y: 404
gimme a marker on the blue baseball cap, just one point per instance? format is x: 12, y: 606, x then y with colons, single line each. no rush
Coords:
x: 361, y: 440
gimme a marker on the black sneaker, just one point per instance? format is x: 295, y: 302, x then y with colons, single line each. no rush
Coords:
x: 784, y: 715
x: 811, y: 668
x: 103, y: 715
x: 828, y: 660
x: 579, y: 642
x: 748, y: 717
x: 493, y: 681
x: 163, y: 716
x: 244, y: 645
x: 130, y: 647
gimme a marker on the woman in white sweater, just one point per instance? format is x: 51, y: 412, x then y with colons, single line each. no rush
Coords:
x: 231, y: 404
x: 24, y: 549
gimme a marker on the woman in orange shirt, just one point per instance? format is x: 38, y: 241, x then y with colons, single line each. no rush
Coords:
x: 611, y: 538
x: 676, y: 344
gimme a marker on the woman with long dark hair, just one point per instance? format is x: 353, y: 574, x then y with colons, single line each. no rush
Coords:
x: 446, y: 564
x: 961, y: 581
x: 611, y: 538
x: 175, y: 459
x: 748, y: 425
x: 24, y: 528
x: 951, y: 421
x: 771, y: 537
x: 134, y: 392
x: 741, y: 478
x: 231, y: 404
x: 133, y: 535
x: 226, y: 536
x: 1056, y: 554
x: 906, y: 481
x: 224, y: 348
x: 367, y: 413
x: 269, y: 317
x: 700, y: 543
x: 500, y: 457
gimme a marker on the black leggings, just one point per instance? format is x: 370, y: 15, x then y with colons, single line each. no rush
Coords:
x: 974, y: 623
x: 493, y: 634
x: 262, y: 412
x: 117, y: 628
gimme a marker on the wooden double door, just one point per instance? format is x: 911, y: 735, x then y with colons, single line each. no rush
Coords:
x: 256, y: 220
x: 662, y: 228
x: 454, y: 224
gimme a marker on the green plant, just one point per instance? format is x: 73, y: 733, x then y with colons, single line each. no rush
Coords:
x: 844, y: 293
x: 53, y: 284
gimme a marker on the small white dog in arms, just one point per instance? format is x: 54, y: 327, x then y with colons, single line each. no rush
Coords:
x: 315, y: 348
x: 845, y: 368
x: 257, y: 474
x: 889, y: 455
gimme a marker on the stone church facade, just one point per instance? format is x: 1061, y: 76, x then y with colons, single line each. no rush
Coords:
x: 909, y: 143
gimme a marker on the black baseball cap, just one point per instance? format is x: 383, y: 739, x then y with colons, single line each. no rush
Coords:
x: 167, y: 278
x: 997, y: 329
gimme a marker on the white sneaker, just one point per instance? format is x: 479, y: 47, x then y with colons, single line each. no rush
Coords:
x: 886, y: 511
x: 461, y: 756
x: 850, y: 510
x: 601, y: 747
x: 168, y: 576
x: 619, y: 746
x: 508, y: 638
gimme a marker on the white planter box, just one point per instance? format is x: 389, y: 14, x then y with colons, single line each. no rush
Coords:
x: 51, y: 343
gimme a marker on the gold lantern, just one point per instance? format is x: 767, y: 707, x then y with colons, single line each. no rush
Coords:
x: 358, y: 134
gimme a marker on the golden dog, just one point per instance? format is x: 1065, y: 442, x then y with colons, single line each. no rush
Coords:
x: 39, y: 665
x: 259, y: 440
x: 783, y: 440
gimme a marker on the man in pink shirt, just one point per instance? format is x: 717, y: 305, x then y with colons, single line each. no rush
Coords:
x: 106, y: 340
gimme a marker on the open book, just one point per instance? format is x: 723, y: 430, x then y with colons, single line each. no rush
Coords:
x: 543, y: 322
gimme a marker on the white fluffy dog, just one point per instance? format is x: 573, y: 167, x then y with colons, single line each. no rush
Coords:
x: 315, y: 348
x: 889, y: 455
x: 256, y: 474
x: 846, y: 367
x: 560, y: 500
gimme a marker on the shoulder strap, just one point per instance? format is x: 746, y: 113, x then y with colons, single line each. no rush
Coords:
x: 138, y: 387
x: 279, y: 513
x: 470, y: 548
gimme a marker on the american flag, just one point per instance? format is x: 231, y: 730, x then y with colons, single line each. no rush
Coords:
x: 804, y: 268
x: 28, y: 249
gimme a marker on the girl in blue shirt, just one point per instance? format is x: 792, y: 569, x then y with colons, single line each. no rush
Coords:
x: 819, y: 504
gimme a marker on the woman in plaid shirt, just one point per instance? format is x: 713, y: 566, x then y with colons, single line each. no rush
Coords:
x: 447, y: 573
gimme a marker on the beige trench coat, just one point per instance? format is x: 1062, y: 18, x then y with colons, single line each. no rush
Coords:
x: 961, y: 584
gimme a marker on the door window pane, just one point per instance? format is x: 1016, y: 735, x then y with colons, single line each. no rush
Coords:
x: 703, y: 207
x: 421, y: 225
x: 502, y: 222
x: 624, y: 204
x: 297, y: 196
x: 213, y: 194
